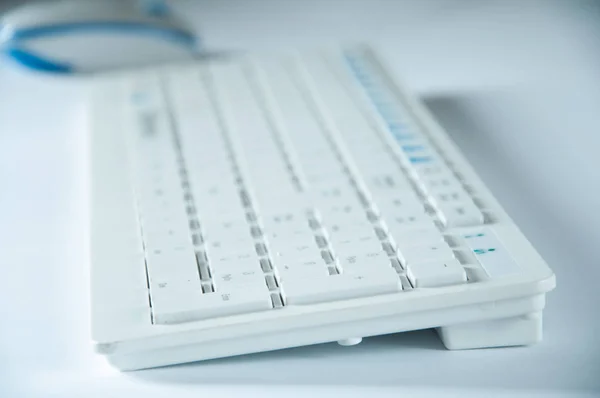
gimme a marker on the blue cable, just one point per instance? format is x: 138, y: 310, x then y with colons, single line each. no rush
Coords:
x: 13, y: 43
x: 33, y: 61
x: 175, y: 35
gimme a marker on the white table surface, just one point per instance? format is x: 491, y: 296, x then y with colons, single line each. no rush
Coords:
x: 515, y: 83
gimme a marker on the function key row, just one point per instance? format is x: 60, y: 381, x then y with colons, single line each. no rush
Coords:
x: 424, y: 165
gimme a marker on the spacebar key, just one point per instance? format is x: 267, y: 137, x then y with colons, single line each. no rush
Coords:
x: 339, y: 287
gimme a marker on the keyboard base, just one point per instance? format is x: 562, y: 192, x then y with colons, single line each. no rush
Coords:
x: 511, y: 322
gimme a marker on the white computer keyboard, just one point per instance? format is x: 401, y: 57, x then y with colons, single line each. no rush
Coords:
x: 262, y: 202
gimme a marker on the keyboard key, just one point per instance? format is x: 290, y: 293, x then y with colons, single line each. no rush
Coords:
x: 461, y: 214
x: 342, y: 211
x: 359, y: 230
x: 490, y: 252
x: 164, y: 243
x: 423, y: 169
x: 404, y: 223
x: 381, y: 271
x: 168, y: 283
x: 296, y: 250
x: 226, y: 228
x: 436, y: 273
x: 284, y: 220
x: 369, y: 262
x: 338, y: 287
x: 355, y: 244
x: 225, y: 279
x: 415, y: 254
x: 385, y: 184
x: 438, y: 182
x: 172, y: 266
x: 217, y: 195
x: 192, y: 306
x: 228, y: 257
x: 235, y: 265
x: 319, y: 178
x: 311, y: 263
x: 152, y: 191
x: 210, y: 208
x: 414, y: 236
x: 305, y: 273
x: 233, y: 244
x: 398, y: 205
x: 282, y: 240
x: 346, y: 225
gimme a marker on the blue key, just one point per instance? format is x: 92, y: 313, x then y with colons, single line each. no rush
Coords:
x: 420, y: 159
x: 413, y: 148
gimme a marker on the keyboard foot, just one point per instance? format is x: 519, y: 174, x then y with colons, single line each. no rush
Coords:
x: 350, y: 341
x: 504, y: 332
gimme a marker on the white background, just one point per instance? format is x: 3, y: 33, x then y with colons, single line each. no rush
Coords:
x: 516, y: 84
